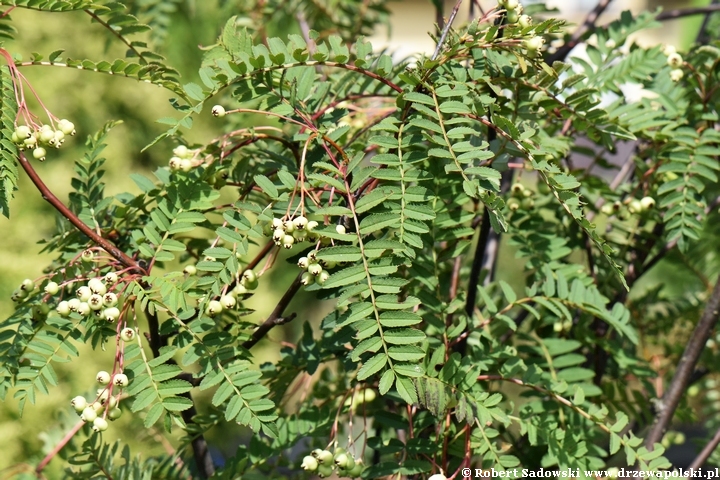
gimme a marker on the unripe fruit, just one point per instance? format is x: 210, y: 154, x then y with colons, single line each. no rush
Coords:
x: 111, y: 278
x: 512, y: 16
x: 647, y: 203
x: 323, y: 277
x: 341, y: 459
x: 114, y: 413
x: 102, y: 377
x: 357, y: 470
x: 120, y: 380
x: 74, y: 304
x: 174, y: 164
x: 186, y: 165
x: 100, y: 424
x: 300, y: 222
x: 310, y: 463
x: 87, y: 255
x: 438, y: 476
x: 88, y: 414
x: 300, y: 235
x: 227, y: 301
x: 97, y: 286
x: 314, y: 269
x: 111, y: 314
x: 674, y: 60
x: 23, y: 132
x: 303, y: 263
x: 214, y: 308
x: 98, y: 407
x: 52, y: 288
x: 240, y: 289
x: 39, y: 153
x: 325, y: 471
x: 511, y: 4
x: 46, y: 134
x: 524, y: 21
x: 95, y: 302
x: 181, y: 151
x: 218, y: 111
x: 534, y: 43
x: 513, y: 204
x: 277, y: 223
x: 66, y: 126
x: 669, y: 50
x: 110, y: 299
x: 84, y: 293
x: 676, y: 75
x: 190, y: 270
x: 311, y: 225
x: 288, y: 241
x: 340, y: 229
x: 325, y: 457
x: 249, y: 275
x: 63, y: 309
x: 127, y: 334
x: 635, y: 206
x: 278, y: 235
x: 84, y: 309
x: 79, y: 403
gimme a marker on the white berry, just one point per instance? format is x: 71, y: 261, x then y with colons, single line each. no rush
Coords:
x: 52, y: 288
x: 340, y: 229
x: 111, y: 314
x: 88, y: 414
x: 110, y: 299
x: 214, y: 308
x: 120, y: 380
x: 111, y: 278
x: 79, y: 403
x: 227, y: 301
x: 127, y: 334
x: 102, y: 377
x: 100, y: 424
x: 63, y: 308
x: 218, y: 111
x: 84, y: 293
x: 97, y: 286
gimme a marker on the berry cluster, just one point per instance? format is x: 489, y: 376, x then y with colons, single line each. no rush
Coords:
x: 675, y: 61
x: 248, y: 281
x: 635, y: 206
x: 105, y: 405
x: 37, y: 138
x: 521, y: 198
x: 315, y: 269
x: 324, y: 463
x: 93, y: 298
x: 286, y: 233
x: 181, y: 161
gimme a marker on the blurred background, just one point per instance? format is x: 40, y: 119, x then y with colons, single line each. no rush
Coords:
x: 89, y: 100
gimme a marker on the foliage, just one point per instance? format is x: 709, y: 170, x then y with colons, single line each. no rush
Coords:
x: 386, y: 182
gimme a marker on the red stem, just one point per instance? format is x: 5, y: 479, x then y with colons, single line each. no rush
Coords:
x: 59, y: 447
x: 47, y: 195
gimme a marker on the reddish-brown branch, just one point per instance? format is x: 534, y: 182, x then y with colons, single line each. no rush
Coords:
x: 68, y: 436
x: 50, y: 197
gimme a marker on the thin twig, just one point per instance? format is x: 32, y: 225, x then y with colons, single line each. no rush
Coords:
x: 275, y: 318
x: 706, y: 452
x: 702, y: 36
x: 68, y: 436
x: 686, y: 12
x: 446, y: 29
x: 587, y: 26
x: 670, y: 400
x: 50, y: 197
